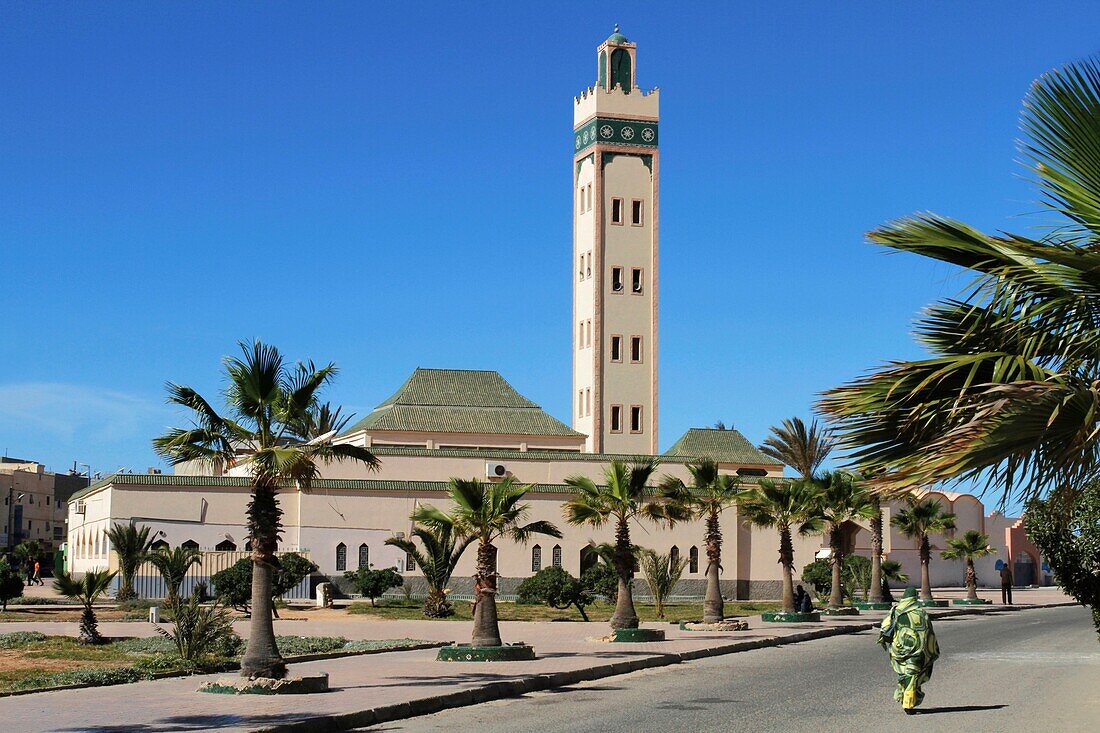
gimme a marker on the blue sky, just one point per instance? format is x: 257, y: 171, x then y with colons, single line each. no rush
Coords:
x: 389, y: 186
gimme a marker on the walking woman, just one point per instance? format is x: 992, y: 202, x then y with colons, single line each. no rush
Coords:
x: 906, y: 633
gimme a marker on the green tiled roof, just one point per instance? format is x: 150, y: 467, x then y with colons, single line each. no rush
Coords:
x: 461, y: 401
x: 723, y: 446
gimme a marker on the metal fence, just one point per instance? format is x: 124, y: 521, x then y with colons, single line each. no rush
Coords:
x: 148, y: 582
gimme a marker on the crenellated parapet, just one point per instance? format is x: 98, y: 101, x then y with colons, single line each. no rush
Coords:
x: 595, y: 101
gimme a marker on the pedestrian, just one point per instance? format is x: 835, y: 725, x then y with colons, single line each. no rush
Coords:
x: 1006, y: 584
x: 38, y: 573
x: 799, y: 594
x: 906, y: 633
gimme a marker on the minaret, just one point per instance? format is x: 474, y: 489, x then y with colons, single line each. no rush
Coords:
x: 615, y: 165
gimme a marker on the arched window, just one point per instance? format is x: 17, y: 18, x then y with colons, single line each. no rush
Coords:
x: 693, y: 560
x: 674, y: 556
x: 226, y: 546
x: 364, y: 555
x: 555, y: 556
x: 160, y: 545
x: 248, y: 546
x: 190, y: 544
x: 341, y: 557
x: 536, y: 559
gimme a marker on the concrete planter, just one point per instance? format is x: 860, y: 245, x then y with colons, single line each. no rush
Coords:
x: 287, y: 686
x: 779, y: 617
x: 507, y: 653
x: 725, y: 625
x: 970, y: 602
x: 933, y: 604
x: 875, y: 606
x: 843, y: 611
x: 637, y: 635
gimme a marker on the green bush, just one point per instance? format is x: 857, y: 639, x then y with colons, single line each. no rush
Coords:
x: 137, y: 604
x: 11, y: 585
x: 146, y: 645
x: 555, y: 587
x: 233, y: 586
x: 372, y: 644
x: 200, y: 631
x: 602, y: 580
x: 89, y: 676
x: 18, y: 639
x: 372, y: 583
x: 294, y: 646
x: 855, y: 573
x: 36, y: 601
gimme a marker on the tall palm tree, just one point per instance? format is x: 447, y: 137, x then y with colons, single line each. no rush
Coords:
x: 972, y: 545
x: 918, y: 520
x: 786, y: 506
x: 272, y: 417
x: 487, y: 512
x: 1010, y: 395
x: 709, y: 494
x: 442, y: 549
x: 131, y: 544
x: 621, y: 499
x: 173, y: 566
x: 87, y: 590
x: 842, y: 499
x: 802, y: 448
x: 891, y: 570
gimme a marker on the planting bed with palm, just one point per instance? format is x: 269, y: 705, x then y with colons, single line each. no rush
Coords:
x: 601, y: 612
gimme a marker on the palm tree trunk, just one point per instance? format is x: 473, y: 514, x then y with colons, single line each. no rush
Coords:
x: 625, y: 617
x: 89, y: 626
x: 126, y: 591
x: 925, y: 577
x: 261, y: 656
x: 971, y: 581
x: 713, y: 606
x: 836, y: 559
x: 786, y: 559
x: 486, y: 625
x: 876, y: 554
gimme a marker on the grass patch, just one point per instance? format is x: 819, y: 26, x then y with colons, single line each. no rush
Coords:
x: 39, y: 601
x: 404, y: 610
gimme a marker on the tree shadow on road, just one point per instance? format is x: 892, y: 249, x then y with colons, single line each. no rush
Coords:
x: 958, y: 709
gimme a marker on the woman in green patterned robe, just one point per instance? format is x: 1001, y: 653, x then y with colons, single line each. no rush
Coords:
x: 906, y: 633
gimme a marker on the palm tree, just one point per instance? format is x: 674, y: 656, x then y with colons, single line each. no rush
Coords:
x: 973, y: 544
x: 621, y: 499
x: 662, y: 573
x: 87, y: 589
x: 802, y: 448
x: 784, y: 505
x: 273, y: 418
x: 842, y: 499
x: 920, y: 519
x: 709, y: 494
x: 485, y: 511
x: 173, y: 566
x: 132, y: 544
x: 891, y: 570
x: 442, y: 548
x: 1009, y: 396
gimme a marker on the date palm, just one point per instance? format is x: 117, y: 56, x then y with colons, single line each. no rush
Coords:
x: 802, y: 448
x: 486, y: 512
x: 131, y: 544
x: 842, y: 499
x: 87, y: 589
x: 918, y: 520
x: 623, y: 497
x: 891, y: 571
x: 1010, y: 395
x: 436, y: 556
x: 173, y: 566
x: 662, y: 573
x: 272, y: 417
x: 972, y: 545
x: 786, y: 506
x: 709, y: 494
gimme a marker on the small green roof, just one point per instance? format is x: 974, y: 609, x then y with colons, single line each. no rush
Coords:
x: 461, y: 401
x: 617, y: 37
x: 722, y: 446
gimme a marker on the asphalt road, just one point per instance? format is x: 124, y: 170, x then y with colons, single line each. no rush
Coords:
x: 1035, y: 671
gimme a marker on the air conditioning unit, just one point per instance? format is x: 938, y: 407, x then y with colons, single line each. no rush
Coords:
x: 496, y: 470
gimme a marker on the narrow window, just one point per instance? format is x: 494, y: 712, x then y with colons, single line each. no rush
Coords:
x: 616, y: 211
x: 580, y: 269
x: 673, y: 556
x: 410, y: 562
x: 364, y: 556
x: 616, y: 348
x: 536, y: 559
x: 635, y: 418
x: 616, y: 279
x: 693, y: 560
x: 588, y: 402
x: 555, y: 556
x: 580, y: 200
x: 191, y: 544
x: 225, y: 546
x: 341, y: 557
x: 588, y: 270
x: 636, y: 349
x: 616, y: 418
x: 636, y: 280
x: 588, y: 330
x: 580, y: 335
x: 590, y: 197
x: 636, y: 212
x: 580, y: 403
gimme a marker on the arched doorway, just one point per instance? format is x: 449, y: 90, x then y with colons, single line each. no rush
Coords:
x: 1023, y: 569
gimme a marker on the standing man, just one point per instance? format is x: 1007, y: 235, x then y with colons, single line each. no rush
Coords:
x: 1006, y: 584
x: 906, y: 633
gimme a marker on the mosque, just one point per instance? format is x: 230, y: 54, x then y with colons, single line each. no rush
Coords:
x: 444, y: 423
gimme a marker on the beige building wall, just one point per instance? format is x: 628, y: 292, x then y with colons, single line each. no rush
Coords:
x: 42, y: 516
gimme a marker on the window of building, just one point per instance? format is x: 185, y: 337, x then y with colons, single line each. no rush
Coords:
x: 616, y: 211
x: 580, y: 335
x: 160, y: 545
x: 364, y: 556
x: 190, y: 544
x: 616, y: 347
x: 636, y: 280
x: 580, y: 269
x: 588, y: 270
x: 588, y: 402
x: 693, y: 560
x: 635, y: 418
x: 225, y: 546
x: 588, y: 332
x: 555, y: 556
x: 673, y: 556
x: 341, y: 557
x: 616, y: 279
x: 636, y: 212
x: 580, y: 403
x: 410, y: 562
x: 636, y: 349
x: 590, y: 197
x: 616, y: 418
x: 580, y: 200
x: 536, y: 559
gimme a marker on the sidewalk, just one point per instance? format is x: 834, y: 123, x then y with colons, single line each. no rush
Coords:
x: 390, y: 686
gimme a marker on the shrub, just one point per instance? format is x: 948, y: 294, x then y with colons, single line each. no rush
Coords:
x: 294, y: 646
x: 233, y: 586
x: 555, y: 587
x: 662, y: 573
x: 200, y: 631
x: 602, y: 580
x: 88, y: 676
x: 36, y: 601
x: 854, y: 573
x: 373, y: 583
x: 18, y: 639
x: 11, y: 585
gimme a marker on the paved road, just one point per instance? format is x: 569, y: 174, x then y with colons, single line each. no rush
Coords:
x: 1034, y: 671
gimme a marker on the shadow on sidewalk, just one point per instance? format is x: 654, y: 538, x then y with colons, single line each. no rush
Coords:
x: 958, y: 709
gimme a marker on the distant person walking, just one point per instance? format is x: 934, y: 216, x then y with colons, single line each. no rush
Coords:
x: 906, y: 633
x: 1006, y: 584
x: 37, y: 579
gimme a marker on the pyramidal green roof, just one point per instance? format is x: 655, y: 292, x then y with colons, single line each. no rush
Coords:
x: 723, y: 446
x: 461, y: 401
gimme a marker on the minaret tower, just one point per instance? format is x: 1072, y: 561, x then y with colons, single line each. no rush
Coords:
x: 615, y: 165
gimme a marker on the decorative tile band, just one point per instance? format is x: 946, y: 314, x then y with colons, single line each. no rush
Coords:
x: 615, y: 132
